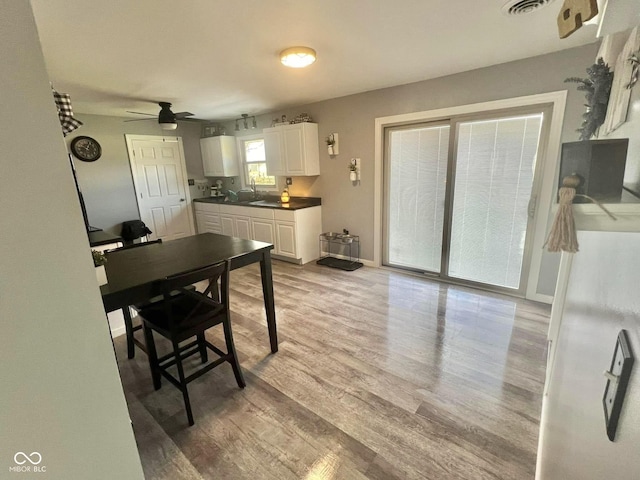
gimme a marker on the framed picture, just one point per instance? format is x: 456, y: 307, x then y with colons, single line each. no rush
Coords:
x: 620, y: 94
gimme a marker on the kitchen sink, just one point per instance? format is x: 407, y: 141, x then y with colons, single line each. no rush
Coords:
x: 265, y: 203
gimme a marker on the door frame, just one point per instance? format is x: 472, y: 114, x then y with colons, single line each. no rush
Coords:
x: 548, y: 156
x: 129, y: 139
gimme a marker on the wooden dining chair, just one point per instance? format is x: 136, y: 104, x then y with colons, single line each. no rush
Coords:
x: 190, y: 313
x: 130, y: 329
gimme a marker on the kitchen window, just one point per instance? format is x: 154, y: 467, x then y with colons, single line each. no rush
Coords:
x: 254, y: 163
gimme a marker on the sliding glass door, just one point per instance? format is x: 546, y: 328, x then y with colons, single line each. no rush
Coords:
x: 461, y: 207
x: 416, y: 184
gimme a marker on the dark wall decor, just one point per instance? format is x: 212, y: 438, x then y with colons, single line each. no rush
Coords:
x: 600, y: 166
x: 597, y: 88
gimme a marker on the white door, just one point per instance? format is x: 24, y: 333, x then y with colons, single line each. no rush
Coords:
x: 160, y: 182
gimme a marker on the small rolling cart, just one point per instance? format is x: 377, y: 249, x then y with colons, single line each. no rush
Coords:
x: 339, y: 250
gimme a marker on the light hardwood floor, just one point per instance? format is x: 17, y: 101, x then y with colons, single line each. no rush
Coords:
x: 380, y: 375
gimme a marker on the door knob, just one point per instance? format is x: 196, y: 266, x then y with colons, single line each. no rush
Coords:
x: 182, y: 199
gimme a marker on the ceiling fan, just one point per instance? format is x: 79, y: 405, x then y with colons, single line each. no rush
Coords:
x: 166, y: 118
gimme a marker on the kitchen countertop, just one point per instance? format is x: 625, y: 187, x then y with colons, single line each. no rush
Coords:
x: 296, y: 203
x: 99, y: 237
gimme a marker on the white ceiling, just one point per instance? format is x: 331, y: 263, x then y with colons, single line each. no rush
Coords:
x: 219, y: 59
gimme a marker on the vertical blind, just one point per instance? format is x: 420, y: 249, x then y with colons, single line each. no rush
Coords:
x: 417, y: 180
x: 495, y: 163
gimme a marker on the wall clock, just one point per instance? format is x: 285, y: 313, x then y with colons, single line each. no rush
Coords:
x: 86, y: 149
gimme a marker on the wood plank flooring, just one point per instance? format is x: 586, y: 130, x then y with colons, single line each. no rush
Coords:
x: 380, y: 375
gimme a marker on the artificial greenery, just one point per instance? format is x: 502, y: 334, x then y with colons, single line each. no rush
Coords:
x: 597, y: 87
x: 98, y: 258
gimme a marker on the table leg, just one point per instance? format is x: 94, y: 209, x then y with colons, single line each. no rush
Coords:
x: 269, y: 304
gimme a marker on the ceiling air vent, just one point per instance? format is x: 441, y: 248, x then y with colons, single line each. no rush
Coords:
x: 520, y: 7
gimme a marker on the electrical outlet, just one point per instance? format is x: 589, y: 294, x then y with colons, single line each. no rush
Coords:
x: 289, y: 181
x: 192, y: 182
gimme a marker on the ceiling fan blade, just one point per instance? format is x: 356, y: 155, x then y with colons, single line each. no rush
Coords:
x: 141, y: 113
x: 181, y: 115
x: 138, y: 119
x: 196, y: 120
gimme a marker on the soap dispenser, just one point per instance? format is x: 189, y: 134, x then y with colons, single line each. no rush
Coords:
x: 284, y: 198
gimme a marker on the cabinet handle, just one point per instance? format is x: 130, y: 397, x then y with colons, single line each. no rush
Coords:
x: 182, y: 199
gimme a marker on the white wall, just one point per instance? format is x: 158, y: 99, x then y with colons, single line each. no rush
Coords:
x: 602, y: 298
x: 61, y: 394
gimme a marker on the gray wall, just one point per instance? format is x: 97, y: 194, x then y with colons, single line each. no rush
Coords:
x: 352, y: 117
x: 601, y: 300
x: 61, y: 394
x: 107, y: 184
x: 108, y: 189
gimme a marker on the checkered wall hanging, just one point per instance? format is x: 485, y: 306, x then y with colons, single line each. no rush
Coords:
x: 65, y: 112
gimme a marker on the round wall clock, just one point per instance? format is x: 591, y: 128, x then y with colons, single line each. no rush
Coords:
x: 86, y: 149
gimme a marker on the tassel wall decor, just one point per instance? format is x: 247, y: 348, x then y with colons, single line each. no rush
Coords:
x: 562, y: 236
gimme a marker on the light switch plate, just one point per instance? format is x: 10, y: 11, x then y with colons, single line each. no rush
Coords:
x: 617, y: 380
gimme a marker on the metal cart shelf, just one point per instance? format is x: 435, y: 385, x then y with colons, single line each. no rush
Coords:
x: 339, y: 250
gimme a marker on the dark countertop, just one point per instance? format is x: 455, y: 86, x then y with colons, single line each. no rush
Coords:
x: 296, y: 203
x: 100, y: 237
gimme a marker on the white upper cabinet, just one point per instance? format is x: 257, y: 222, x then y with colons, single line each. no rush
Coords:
x: 273, y: 150
x: 292, y: 149
x: 219, y: 157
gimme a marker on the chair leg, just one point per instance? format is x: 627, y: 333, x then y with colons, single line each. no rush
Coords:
x: 231, y: 351
x: 202, y: 346
x: 128, y: 326
x: 153, y: 355
x: 183, y: 383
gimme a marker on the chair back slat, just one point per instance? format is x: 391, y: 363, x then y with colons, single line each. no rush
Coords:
x: 217, y: 301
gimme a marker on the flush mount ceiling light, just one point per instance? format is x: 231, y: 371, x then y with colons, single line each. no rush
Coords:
x: 298, y: 57
x: 520, y: 7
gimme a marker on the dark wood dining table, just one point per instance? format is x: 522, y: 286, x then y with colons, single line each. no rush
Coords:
x: 133, y: 275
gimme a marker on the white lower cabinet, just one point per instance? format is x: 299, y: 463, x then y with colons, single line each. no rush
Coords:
x: 243, y: 227
x: 293, y: 233
x: 263, y: 230
x: 226, y: 221
x: 286, y: 239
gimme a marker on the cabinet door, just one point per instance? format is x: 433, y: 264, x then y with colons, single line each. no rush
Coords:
x: 243, y: 227
x: 263, y: 230
x: 219, y: 157
x: 226, y: 222
x: 209, y: 222
x: 211, y: 163
x: 274, y: 151
x: 200, y: 222
x: 286, y: 239
x: 293, y: 149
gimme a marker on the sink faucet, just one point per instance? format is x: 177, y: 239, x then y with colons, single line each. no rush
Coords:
x: 253, y: 187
